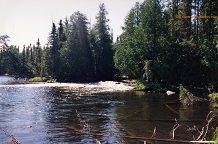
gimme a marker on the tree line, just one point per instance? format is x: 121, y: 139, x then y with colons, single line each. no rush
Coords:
x: 75, y: 52
x: 170, y: 42
x: 180, y: 49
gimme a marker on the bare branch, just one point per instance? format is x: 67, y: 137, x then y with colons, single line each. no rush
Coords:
x: 154, y: 133
x: 204, y: 131
x: 172, y: 132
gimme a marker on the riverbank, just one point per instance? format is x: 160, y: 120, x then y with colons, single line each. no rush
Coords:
x: 102, y: 86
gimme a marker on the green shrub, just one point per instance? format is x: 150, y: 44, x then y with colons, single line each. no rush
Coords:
x: 140, y: 85
x: 148, y: 86
x: 185, y: 96
x: 51, y: 80
x: 215, y: 136
x: 42, y: 79
x: 214, y: 100
x: 124, y: 77
x: 37, y: 79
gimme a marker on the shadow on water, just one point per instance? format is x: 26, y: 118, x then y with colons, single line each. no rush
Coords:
x: 50, y: 115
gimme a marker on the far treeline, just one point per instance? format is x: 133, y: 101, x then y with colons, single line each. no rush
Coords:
x: 169, y: 42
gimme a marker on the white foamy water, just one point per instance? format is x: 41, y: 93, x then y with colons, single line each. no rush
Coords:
x: 102, y: 86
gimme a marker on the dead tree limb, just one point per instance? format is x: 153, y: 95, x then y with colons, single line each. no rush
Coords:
x: 154, y: 133
x: 14, y: 140
x: 172, y: 132
x: 204, y: 130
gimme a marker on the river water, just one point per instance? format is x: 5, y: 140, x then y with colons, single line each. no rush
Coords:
x: 37, y: 115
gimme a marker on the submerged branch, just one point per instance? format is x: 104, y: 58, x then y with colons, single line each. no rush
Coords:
x: 14, y: 140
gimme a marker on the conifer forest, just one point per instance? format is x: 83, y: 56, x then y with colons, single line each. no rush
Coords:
x: 169, y: 42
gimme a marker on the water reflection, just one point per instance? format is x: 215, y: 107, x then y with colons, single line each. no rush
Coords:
x: 97, y: 113
x: 50, y: 115
x: 140, y: 115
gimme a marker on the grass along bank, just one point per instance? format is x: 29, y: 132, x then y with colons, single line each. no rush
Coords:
x: 42, y: 79
x: 214, y: 100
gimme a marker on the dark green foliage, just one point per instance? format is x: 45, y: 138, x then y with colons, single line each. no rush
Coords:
x: 148, y: 86
x: 215, y: 135
x: 143, y: 39
x: 54, y: 62
x: 129, y: 49
x: 37, y: 58
x: 214, y: 100
x: 12, y: 63
x: 182, y: 50
x: 103, y: 46
x: 185, y: 96
x: 76, y: 54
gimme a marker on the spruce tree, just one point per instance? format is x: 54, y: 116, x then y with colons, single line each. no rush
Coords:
x: 129, y: 51
x: 53, y: 41
x: 76, y: 54
x: 104, y: 53
x: 38, y: 58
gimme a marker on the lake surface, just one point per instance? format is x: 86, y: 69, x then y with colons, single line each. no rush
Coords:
x: 36, y: 115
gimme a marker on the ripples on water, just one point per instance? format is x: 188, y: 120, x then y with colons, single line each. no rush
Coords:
x: 5, y: 79
x: 50, y: 115
x: 47, y: 115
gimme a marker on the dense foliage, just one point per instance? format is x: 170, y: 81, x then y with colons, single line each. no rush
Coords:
x: 182, y: 49
x: 75, y: 52
x: 160, y: 42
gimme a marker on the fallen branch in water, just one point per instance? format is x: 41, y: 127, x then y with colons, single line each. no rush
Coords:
x: 172, y: 132
x: 14, y: 140
x: 154, y: 133
x: 200, y: 139
x: 204, y: 131
x: 170, y: 108
x: 123, y: 118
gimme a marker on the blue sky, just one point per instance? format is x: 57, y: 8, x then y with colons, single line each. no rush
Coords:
x: 27, y: 20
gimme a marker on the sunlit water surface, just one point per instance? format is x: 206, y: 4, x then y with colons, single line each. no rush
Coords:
x: 36, y: 115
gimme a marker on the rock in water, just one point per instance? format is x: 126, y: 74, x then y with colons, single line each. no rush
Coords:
x: 170, y: 92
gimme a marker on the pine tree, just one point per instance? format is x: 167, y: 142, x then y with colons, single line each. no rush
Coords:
x: 38, y: 58
x: 129, y: 51
x: 104, y: 53
x: 94, y: 48
x: 53, y: 41
x: 76, y: 54
x: 208, y: 38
